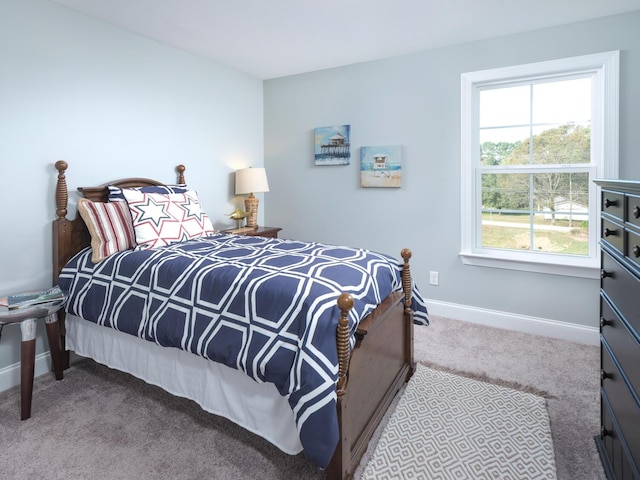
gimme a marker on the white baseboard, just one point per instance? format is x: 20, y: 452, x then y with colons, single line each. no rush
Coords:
x: 521, y: 323
x: 10, y: 376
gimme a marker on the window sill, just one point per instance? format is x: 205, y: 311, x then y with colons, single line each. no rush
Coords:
x: 575, y: 270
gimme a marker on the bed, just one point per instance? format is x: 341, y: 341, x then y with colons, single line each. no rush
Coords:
x: 322, y: 390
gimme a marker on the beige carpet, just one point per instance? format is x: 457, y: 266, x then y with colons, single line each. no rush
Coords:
x: 450, y: 427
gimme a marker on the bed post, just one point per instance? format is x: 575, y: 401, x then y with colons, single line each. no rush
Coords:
x: 181, y: 169
x: 61, y: 227
x: 62, y: 194
x: 408, y: 311
x: 341, y: 460
x: 345, y: 303
x: 61, y: 241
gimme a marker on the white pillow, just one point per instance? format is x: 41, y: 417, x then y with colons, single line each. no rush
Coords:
x: 163, y: 219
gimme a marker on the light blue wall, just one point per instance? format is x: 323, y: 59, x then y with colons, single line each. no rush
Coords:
x: 414, y: 101
x: 112, y: 104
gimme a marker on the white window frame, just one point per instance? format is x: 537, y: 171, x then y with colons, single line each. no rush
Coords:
x: 604, y: 160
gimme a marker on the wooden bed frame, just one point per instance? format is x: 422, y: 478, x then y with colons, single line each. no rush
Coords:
x: 370, y: 375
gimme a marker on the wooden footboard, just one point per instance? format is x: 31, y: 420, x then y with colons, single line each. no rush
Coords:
x: 370, y: 375
x: 380, y: 363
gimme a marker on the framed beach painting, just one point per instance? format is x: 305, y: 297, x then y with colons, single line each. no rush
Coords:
x: 381, y: 166
x: 332, y: 145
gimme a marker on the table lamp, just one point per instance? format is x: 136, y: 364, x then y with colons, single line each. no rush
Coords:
x: 251, y: 180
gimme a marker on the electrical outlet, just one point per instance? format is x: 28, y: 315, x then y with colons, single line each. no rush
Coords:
x: 433, y: 278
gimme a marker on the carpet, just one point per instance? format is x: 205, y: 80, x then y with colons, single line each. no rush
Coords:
x: 451, y: 427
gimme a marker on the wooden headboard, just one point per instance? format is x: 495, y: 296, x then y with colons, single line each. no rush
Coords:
x: 71, y: 236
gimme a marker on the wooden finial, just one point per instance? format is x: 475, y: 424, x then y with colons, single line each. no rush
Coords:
x: 62, y: 195
x: 181, y: 169
x: 345, y: 303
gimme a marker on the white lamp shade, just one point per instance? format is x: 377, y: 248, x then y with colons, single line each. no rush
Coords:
x: 251, y: 180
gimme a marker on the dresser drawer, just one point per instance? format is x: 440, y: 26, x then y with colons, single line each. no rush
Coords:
x: 633, y: 209
x: 613, y: 234
x: 613, y: 204
x: 622, y: 342
x: 623, y: 289
x: 632, y: 247
x: 627, y: 411
x: 615, y: 460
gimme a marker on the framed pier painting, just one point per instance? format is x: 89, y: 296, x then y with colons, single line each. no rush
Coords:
x: 332, y: 145
x: 381, y: 166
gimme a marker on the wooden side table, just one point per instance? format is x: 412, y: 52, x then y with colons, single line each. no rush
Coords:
x: 269, y: 232
x: 27, y: 317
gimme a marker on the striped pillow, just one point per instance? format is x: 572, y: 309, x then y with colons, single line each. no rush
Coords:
x: 110, y: 226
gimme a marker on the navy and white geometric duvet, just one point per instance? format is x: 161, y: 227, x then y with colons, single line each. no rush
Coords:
x: 266, y: 307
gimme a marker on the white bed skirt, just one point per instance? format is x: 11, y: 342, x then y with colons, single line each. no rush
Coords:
x: 218, y: 389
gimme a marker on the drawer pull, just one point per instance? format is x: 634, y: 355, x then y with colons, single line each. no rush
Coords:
x: 604, y: 432
x: 604, y: 322
x: 608, y: 232
x: 610, y: 203
x: 636, y: 251
x: 636, y: 211
x: 604, y: 375
x: 604, y: 274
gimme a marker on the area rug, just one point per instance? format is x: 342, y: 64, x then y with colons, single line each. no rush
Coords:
x: 451, y: 427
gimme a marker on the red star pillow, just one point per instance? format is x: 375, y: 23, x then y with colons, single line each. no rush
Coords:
x: 163, y: 219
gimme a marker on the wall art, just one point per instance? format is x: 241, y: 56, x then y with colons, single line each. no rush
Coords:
x: 332, y: 145
x: 381, y: 166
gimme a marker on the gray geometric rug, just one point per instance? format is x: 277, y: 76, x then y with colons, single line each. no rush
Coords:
x: 451, y: 427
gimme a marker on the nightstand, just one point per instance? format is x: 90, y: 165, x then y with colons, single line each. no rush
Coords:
x: 269, y: 232
x: 27, y: 318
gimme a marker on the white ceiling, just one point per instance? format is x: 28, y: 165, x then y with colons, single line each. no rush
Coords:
x: 275, y: 38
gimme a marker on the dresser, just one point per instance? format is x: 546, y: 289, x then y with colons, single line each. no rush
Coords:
x: 619, y: 439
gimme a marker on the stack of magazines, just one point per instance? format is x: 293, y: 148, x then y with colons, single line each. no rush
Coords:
x: 51, y: 295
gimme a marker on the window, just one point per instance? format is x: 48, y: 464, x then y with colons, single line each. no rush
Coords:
x: 534, y: 137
